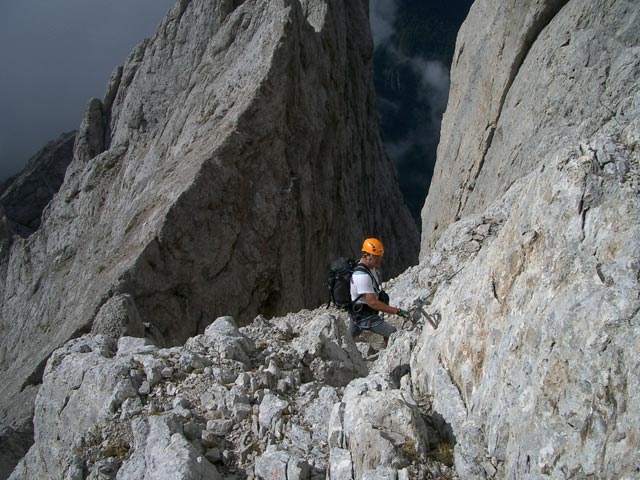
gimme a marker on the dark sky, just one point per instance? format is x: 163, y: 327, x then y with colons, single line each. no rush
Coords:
x: 55, y: 55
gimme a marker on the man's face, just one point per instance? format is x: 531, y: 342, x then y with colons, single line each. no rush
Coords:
x: 376, y: 260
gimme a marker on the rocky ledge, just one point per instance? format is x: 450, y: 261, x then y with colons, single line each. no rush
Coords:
x: 281, y: 398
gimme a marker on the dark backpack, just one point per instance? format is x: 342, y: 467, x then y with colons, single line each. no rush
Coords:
x: 339, y: 283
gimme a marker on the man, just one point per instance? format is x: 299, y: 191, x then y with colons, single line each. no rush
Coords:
x: 367, y: 296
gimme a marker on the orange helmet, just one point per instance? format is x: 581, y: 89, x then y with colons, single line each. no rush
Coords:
x: 373, y: 246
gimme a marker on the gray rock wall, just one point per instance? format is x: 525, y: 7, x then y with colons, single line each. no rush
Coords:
x: 25, y: 196
x: 526, y: 79
x: 535, y: 362
x: 233, y: 156
x: 534, y: 367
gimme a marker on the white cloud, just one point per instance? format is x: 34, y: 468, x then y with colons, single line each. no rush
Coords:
x: 434, y: 79
x: 423, y: 138
x: 382, y: 15
x: 398, y: 149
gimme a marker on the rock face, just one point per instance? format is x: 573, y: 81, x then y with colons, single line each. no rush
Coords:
x: 532, y: 371
x: 535, y: 364
x: 233, y: 156
x: 527, y: 78
x: 24, y: 197
x: 22, y: 201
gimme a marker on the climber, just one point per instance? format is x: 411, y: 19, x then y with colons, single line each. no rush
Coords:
x: 367, y: 296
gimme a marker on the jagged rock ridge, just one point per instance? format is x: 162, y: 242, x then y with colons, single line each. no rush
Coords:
x: 233, y: 155
x: 24, y: 197
x: 269, y: 400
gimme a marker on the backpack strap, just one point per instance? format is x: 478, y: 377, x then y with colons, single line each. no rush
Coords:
x: 361, y: 267
x: 363, y: 310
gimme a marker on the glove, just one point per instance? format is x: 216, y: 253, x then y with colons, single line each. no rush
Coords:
x: 403, y: 313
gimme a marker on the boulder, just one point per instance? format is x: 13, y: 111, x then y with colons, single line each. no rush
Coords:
x: 276, y: 465
x: 82, y: 389
x: 328, y: 351
x: 223, y: 339
x: 160, y: 452
x: 118, y: 317
x: 381, y: 430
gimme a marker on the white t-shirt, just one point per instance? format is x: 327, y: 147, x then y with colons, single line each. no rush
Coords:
x: 361, y: 283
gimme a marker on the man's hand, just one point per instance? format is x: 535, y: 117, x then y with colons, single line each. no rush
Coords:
x: 403, y: 313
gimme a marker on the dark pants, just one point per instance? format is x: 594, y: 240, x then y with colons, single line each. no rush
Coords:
x: 371, y: 321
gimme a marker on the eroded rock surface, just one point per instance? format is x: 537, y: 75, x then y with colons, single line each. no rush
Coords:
x: 233, y: 156
x: 25, y: 196
x: 527, y: 79
x: 535, y: 360
x: 533, y: 369
x: 251, y: 402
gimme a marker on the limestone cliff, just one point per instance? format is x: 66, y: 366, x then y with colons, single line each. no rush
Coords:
x: 233, y: 156
x: 535, y: 364
x: 526, y: 79
x: 25, y: 196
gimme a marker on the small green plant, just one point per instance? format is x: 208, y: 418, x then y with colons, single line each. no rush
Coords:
x: 409, y: 449
x: 137, y: 365
x: 116, y: 450
x: 443, y: 453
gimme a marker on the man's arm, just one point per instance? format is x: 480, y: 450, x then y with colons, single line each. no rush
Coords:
x: 376, y: 304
